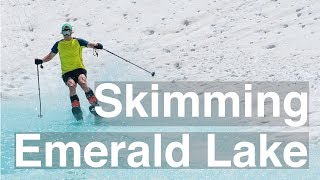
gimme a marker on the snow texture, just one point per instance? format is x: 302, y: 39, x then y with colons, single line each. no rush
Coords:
x: 244, y: 40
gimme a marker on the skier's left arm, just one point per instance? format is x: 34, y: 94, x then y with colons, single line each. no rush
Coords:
x: 87, y: 44
x: 96, y: 46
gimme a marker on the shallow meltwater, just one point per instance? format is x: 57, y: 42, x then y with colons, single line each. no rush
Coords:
x: 16, y: 118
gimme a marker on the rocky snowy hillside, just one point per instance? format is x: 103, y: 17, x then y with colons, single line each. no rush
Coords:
x: 244, y: 40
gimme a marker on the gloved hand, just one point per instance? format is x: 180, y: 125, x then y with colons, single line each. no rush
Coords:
x: 38, y: 61
x: 98, y: 46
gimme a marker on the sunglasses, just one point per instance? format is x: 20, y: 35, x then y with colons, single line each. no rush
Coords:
x: 66, y: 32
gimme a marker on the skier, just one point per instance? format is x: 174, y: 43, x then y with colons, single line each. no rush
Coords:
x: 73, y: 69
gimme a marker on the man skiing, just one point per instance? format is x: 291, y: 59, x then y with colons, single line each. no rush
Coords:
x: 73, y: 69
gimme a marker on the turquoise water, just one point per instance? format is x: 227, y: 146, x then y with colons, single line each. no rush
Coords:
x: 19, y: 116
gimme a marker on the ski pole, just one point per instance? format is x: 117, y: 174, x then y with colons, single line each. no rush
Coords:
x: 40, y: 115
x: 152, y: 73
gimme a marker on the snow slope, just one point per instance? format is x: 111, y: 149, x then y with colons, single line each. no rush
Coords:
x: 196, y: 40
x: 244, y: 40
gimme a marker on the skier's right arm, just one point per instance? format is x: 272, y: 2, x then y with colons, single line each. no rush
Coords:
x: 54, y: 51
x: 48, y: 57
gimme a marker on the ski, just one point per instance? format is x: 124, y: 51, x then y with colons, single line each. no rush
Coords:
x: 77, y: 113
x: 93, y: 111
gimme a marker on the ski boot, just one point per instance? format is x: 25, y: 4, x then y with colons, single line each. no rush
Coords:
x: 93, y: 101
x: 76, y: 110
